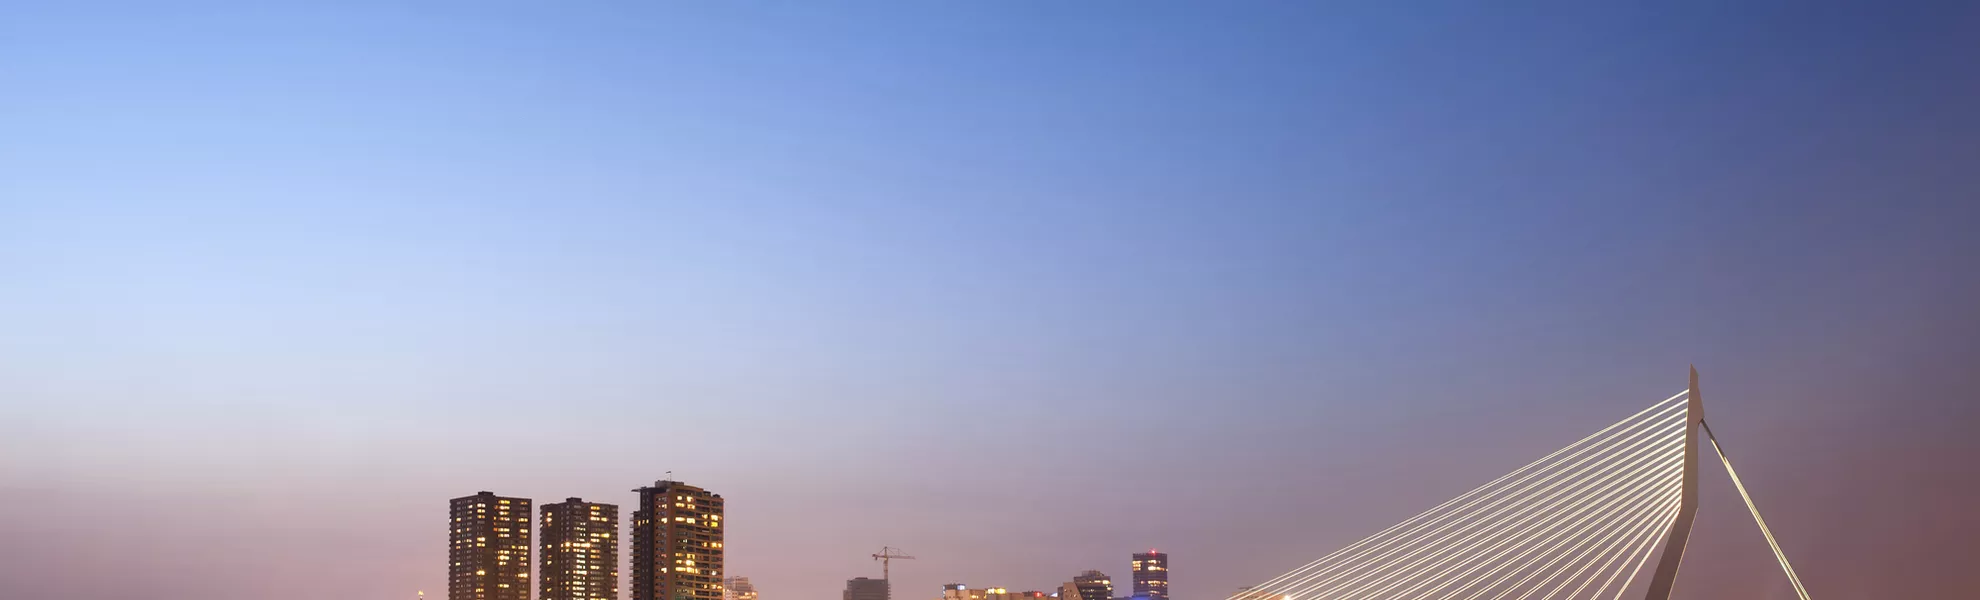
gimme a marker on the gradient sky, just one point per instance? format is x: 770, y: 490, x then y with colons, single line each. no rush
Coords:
x: 1020, y: 287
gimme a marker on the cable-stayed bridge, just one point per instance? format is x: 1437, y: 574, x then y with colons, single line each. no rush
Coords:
x: 1582, y: 523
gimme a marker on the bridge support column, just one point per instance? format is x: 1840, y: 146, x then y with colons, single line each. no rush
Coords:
x: 1680, y: 534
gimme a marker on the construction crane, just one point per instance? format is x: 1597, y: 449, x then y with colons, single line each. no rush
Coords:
x: 886, y: 556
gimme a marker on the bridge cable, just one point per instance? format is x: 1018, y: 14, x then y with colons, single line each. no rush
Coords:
x: 1645, y: 514
x: 1631, y: 422
x: 1469, y: 548
x: 1491, y: 498
x: 1643, y: 553
x: 1521, y: 561
x: 1778, y: 554
x: 1575, y: 514
x: 1623, y: 551
x: 1495, y: 526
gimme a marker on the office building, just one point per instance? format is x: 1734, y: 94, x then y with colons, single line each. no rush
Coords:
x: 1091, y: 585
x: 738, y: 588
x: 861, y: 588
x: 580, y: 557
x: 488, y: 548
x: 677, y: 543
x: 1151, y: 575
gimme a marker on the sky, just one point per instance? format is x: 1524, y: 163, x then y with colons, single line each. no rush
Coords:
x: 1018, y: 287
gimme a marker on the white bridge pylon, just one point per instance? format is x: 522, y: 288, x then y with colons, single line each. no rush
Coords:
x: 1578, y: 524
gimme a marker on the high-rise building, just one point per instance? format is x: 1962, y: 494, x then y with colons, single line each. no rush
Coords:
x: 677, y: 543
x: 1091, y: 585
x: 738, y: 588
x: 488, y: 548
x: 580, y: 557
x: 1151, y: 575
x: 861, y: 588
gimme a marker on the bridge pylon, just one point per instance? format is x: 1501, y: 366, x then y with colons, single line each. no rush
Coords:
x: 1679, y: 536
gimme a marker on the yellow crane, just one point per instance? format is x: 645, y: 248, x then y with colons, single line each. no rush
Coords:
x: 887, y: 556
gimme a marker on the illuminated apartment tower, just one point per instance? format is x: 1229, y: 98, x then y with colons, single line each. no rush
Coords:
x: 488, y: 548
x: 1151, y: 575
x: 677, y: 543
x: 580, y: 558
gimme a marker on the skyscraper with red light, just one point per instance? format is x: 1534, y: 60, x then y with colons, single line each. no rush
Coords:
x: 1151, y: 575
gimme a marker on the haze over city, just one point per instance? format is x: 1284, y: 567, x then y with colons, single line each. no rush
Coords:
x: 1019, y: 288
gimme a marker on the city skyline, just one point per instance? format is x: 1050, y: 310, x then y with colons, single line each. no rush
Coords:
x: 578, y: 556
x: 1018, y: 287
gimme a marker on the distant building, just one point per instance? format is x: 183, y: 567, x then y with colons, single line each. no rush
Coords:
x: 957, y: 591
x: 1091, y: 585
x: 738, y: 588
x: 488, y: 548
x: 861, y: 588
x: 1151, y: 575
x: 580, y: 551
x: 677, y: 543
x: 1246, y: 593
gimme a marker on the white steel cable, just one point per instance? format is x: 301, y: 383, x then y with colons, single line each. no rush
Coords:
x: 1648, y: 544
x: 1643, y: 547
x: 1519, y: 495
x: 1526, y: 506
x: 1627, y: 523
x: 1534, y: 538
x: 1541, y: 541
x: 1533, y: 541
x: 1569, y: 506
x: 1405, y: 537
x: 1658, y: 407
x: 1618, y: 548
x: 1778, y: 554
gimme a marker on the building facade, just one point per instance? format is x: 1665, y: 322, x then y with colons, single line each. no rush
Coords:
x: 861, y: 588
x: 580, y: 551
x: 957, y: 591
x: 677, y: 543
x: 1151, y: 575
x: 488, y: 548
x: 1091, y: 585
x: 738, y: 588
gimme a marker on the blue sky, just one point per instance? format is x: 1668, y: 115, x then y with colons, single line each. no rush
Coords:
x: 1021, y: 287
